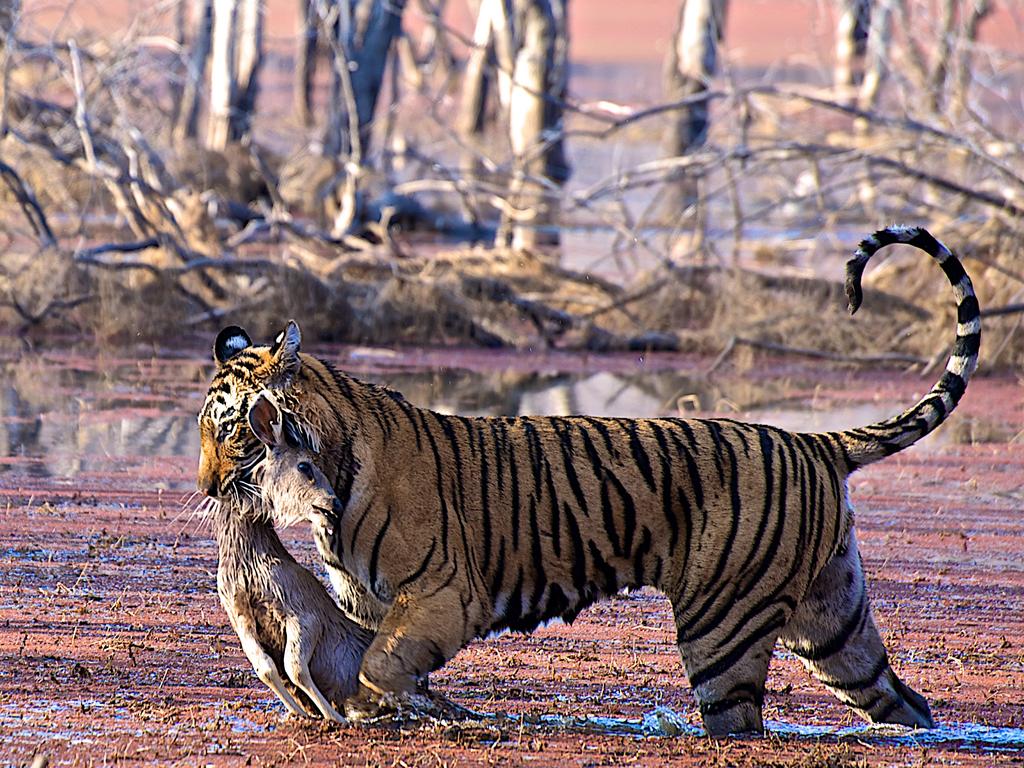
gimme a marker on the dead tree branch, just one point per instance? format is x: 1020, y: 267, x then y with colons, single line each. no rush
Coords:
x: 29, y: 204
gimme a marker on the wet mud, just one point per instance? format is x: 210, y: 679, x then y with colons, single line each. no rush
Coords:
x: 114, y: 650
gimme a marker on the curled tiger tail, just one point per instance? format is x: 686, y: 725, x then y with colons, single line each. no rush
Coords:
x: 865, y: 445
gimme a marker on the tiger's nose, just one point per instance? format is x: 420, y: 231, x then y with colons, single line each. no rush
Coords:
x: 209, y: 486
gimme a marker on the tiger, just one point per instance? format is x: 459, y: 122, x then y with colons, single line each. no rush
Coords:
x: 456, y: 528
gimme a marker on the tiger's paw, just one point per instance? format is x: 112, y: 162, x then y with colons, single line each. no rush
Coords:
x: 367, y: 705
x: 402, y: 708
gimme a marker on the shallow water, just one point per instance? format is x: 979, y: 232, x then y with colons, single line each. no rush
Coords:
x: 665, y: 722
x: 69, y: 415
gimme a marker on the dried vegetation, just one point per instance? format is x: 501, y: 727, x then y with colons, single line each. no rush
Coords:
x: 116, y: 226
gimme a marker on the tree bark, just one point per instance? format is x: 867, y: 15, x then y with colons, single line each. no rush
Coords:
x: 10, y: 10
x: 876, y: 64
x: 364, y: 32
x: 305, y: 60
x: 362, y: 35
x: 979, y: 10
x: 186, y: 124
x: 434, y: 43
x: 943, y: 51
x: 692, y: 62
x: 539, y: 82
x: 237, y: 54
x: 250, y: 59
x: 476, y: 82
x: 851, y: 45
x: 222, y: 73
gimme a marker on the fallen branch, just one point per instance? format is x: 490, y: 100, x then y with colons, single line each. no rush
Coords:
x: 817, y: 354
x: 1009, y: 309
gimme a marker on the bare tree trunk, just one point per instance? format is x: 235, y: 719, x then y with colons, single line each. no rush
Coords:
x: 692, y: 62
x: 363, y: 33
x: 876, y: 65
x: 437, y: 52
x: 222, y: 73
x: 305, y: 60
x: 943, y: 51
x: 249, y: 48
x: 979, y: 10
x: 237, y: 54
x: 851, y: 44
x: 10, y: 10
x: 535, y: 119
x: 187, y: 120
x: 476, y: 81
x: 876, y: 69
x: 505, y: 46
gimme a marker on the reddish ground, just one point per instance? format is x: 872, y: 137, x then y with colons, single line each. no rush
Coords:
x: 114, y: 650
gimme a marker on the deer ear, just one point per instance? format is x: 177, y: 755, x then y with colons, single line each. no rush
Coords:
x: 265, y: 421
x: 285, y: 349
x: 229, y: 343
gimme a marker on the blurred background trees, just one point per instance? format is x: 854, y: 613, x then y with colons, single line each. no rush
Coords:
x: 451, y: 157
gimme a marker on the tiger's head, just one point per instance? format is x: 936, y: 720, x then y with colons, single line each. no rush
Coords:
x: 228, y: 448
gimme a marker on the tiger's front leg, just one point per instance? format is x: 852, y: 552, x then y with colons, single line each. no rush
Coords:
x: 418, y: 635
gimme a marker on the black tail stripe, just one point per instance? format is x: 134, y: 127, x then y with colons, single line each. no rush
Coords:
x: 887, y: 437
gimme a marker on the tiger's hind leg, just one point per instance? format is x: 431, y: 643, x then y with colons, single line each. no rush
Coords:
x: 834, y: 634
x: 727, y: 666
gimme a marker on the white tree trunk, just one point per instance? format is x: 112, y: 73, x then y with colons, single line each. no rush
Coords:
x: 979, y: 10
x: 237, y: 53
x: 692, y: 62
x: 476, y: 80
x: 222, y: 73
x: 535, y: 121
x: 851, y: 38
x: 504, y: 50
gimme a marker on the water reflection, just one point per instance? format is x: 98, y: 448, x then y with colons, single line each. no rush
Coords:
x: 64, y: 415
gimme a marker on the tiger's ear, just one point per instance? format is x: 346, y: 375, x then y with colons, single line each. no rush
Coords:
x: 285, y: 349
x: 265, y: 421
x: 229, y: 343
